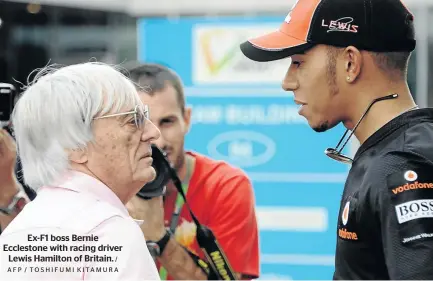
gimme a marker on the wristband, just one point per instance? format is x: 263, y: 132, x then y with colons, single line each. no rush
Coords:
x: 156, y: 248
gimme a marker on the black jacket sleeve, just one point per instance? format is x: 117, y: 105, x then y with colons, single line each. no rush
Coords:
x: 405, y: 210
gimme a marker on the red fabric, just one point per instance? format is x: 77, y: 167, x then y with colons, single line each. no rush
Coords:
x: 222, y: 198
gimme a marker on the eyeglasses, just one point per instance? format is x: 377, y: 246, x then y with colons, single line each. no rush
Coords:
x: 335, y: 153
x: 141, y: 114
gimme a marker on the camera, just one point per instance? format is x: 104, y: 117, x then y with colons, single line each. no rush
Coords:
x: 7, y: 95
x: 164, y: 172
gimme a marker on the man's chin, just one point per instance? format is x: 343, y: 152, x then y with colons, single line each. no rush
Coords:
x: 173, y: 160
x: 146, y: 175
x: 323, y: 127
x: 152, y: 173
x: 320, y: 129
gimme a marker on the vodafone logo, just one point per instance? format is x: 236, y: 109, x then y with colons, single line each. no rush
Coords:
x: 410, y: 175
x: 345, y: 214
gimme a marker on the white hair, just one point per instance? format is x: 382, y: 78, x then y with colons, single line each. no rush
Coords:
x: 56, y: 111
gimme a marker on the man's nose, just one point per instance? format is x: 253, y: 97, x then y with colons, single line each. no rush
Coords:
x: 290, y: 83
x: 150, y: 133
x: 160, y: 142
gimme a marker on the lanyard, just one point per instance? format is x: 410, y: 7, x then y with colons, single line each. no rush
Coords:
x: 177, y: 209
x: 179, y: 200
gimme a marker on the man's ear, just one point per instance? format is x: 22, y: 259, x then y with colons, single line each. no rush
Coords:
x: 353, y: 63
x: 187, y: 119
x: 78, y: 156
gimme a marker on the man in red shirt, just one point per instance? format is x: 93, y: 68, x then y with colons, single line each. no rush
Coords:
x: 220, y: 195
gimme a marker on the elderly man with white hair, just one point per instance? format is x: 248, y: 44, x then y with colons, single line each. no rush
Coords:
x: 83, y: 137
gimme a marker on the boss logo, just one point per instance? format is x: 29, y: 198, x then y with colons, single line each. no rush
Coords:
x: 412, y: 210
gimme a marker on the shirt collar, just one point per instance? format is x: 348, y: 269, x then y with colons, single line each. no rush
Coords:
x: 409, y: 118
x: 83, y: 183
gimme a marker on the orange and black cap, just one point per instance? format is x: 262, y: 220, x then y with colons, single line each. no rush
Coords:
x: 371, y: 25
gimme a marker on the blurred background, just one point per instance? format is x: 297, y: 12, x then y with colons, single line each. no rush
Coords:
x: 240, y: 114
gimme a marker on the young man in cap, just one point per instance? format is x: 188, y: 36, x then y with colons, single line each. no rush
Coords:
x: 349, y: 65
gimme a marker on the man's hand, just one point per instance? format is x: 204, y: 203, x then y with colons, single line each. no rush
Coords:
x: 175, y: 258
x: 152, y: 213
x: 8, y: 156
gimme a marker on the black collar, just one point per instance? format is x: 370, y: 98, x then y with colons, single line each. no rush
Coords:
x: 407, y: 118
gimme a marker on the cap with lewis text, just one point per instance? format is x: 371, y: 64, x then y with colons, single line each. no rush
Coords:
x: 371, y: 25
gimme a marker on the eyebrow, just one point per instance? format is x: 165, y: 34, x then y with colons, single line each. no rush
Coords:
x: 168, y: 117
x: 124, y: 117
